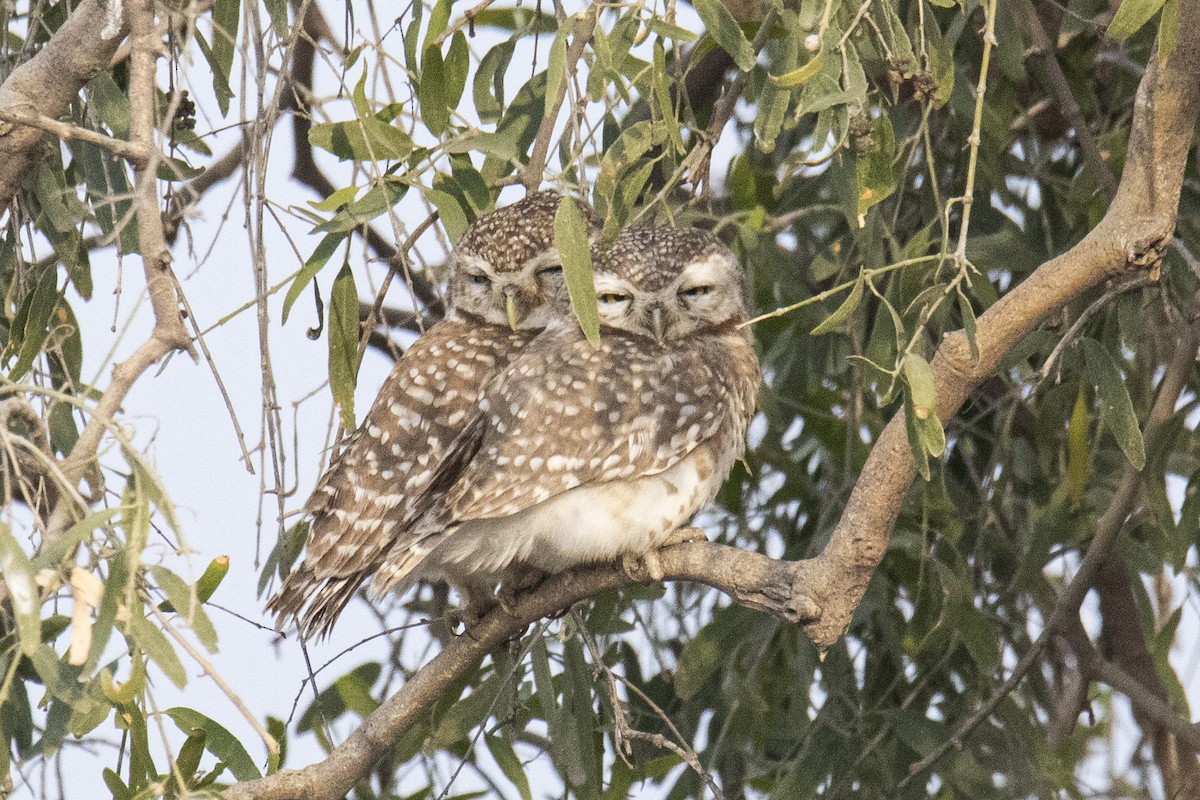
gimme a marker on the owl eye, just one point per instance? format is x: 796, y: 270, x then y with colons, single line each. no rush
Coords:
x: 479, y: 279
x: 553, y: 269
x: 612, y: 298
x: 695, y: 291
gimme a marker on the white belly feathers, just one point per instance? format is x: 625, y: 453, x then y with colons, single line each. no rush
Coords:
x: 587, y: 524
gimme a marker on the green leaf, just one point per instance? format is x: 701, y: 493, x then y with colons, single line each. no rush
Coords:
x: 450, y: 212
x: 457, y: 65
x: 1168, y: 28
x: 218, y: 741
x: 721, y: 25
x: 919, y: 376
x: 155, y: 644
x: 665, y: 30
x: 798, y: 77
x: 1079, y: 459
x: 431, y: 92
x: 875, y: 176
x: 1119, y: 415
x: 37, y: 315
x: 343, y: 343
x: 321, y: 255
x: 181, y: 599
x: 488, y: 87
x: 556, y: 65
x: 22, y: 590
x: 834, y: 320
x: 278, y: 11
x: 226, y: 14
x: 572, y: 241
x: 1131, y: 16
x: 510, y: 765
x: 211, y: 578
x: 365, y: 139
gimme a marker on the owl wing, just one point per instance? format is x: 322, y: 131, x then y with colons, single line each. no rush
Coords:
x: 366, y: 498
x: 565, y: 414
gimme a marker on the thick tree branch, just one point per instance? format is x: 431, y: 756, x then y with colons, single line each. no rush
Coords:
x: 46, y: 84
x: 1131, y: 237
x: 751, y: 579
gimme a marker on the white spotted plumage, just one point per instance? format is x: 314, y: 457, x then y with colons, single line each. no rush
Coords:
x: 504, y: 275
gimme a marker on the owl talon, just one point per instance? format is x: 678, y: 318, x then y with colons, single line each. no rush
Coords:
x: 517, y: 581
x: 643, y: 568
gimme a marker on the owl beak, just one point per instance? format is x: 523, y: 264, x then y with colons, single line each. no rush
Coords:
x: 510, y: 306
x: 658, y: 323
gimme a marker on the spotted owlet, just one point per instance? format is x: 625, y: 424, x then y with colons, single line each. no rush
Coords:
x: 581, y: 454
x: 504, y: 275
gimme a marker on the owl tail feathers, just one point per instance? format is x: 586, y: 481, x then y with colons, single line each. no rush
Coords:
x: 312, y: 603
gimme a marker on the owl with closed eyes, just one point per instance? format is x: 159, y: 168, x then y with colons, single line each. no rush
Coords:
x: 580, y: 454
x: 504, y: 279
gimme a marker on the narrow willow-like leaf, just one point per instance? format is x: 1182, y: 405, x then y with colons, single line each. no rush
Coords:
x: 1131, y: 16
x: 38, y: 311
x: 218, y: 741
x: 343, y: 343
x: 22, y: 590
x: 321, y: 255
x: 721, y: 25
x: 510, y: 764
x: 571, y: 240
x: 843, y: 311
x: 1079, y: 459
x: 225, y: 17
x: 431, y: 91
x: 154, y: 643
x: 798, y: 77
x: 919, y: 376
x: 1118, y: 407
x: 1168, y: 28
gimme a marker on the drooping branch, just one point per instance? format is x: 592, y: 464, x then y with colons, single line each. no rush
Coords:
x: 1131, y: 237
x: 46, y: 84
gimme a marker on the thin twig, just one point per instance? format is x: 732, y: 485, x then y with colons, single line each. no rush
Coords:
x: 211, y: 671
x: 68, y: 132
x: 1043, y: 47
x: 1072, y: 334
x: 623, y: 732
x: 585, y: 23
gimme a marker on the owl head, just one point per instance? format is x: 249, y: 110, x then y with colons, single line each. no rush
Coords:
x: 668, y: 283
x: 505, y: 269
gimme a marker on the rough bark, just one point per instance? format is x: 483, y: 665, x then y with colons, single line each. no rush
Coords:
x: 46, y: 84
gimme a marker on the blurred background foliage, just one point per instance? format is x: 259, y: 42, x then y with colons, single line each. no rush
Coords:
x: 831, y: 143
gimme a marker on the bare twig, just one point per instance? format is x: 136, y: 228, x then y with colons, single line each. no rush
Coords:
x: 69, y: 132
x: 581, y: 34
x: 623, y: 732
x: 1072, y: 334
x: 211, y: 672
